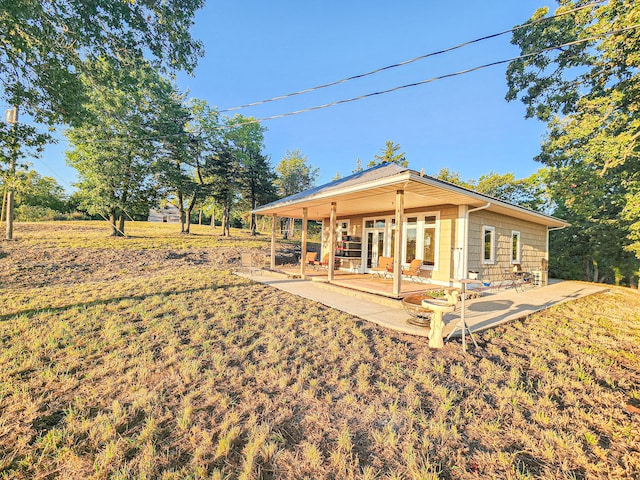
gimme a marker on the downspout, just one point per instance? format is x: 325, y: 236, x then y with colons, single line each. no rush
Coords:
x: 465, y: 252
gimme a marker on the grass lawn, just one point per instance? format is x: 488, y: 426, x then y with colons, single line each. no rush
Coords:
x: 144, y: 357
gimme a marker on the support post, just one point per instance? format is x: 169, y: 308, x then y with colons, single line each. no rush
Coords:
x: 397, y: 260
x: 303, y: 259
x: 12, y: 117
x: 332, y: 240
x: 274, y: 224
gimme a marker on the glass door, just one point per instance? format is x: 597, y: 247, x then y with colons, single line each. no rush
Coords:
x: 375, y: 240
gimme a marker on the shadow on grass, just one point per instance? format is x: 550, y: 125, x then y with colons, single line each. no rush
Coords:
x: 108, y: 301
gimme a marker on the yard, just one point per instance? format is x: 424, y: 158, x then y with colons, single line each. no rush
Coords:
x: 144, y: 357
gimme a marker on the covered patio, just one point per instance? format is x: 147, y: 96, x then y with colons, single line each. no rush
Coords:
x: 396, y: 215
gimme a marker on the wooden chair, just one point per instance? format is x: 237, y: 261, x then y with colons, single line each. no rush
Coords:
x: 324, y: 263
x: 384, y: 268
x: 414, y: 270
x: 311, y: 258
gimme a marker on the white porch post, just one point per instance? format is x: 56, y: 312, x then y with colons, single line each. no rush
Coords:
x: 303, y: 259
x: 274, y: 224
x: 332, y: 240
x: 397, y: 253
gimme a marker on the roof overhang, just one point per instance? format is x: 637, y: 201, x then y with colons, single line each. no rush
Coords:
x: 379, y: 195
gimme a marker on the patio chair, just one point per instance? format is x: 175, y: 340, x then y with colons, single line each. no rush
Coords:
x: 247, y: 263
x: 414, y: 270
x: 324, y: 263
x: 384, y: 268
x: 311, y: 258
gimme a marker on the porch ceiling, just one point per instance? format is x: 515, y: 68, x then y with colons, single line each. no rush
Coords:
x: 379, y: 197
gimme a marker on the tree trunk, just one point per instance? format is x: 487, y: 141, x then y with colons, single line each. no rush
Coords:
x: 595, y: 271
x: 121, y: 225
x: 226, y: 221
x: 200, y: 218
x: 181, y: 210
x: 112, y: 220
x: 213, y: 218
x: 12, y: 176
x: 291, y: 226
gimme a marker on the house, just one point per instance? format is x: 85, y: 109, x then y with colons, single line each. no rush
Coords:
x: 392, y: 211
x: 168, y: 214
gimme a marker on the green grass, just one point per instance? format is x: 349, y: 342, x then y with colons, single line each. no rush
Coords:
x: 134, y: 362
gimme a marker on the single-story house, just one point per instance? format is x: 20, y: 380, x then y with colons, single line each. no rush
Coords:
x: 395, y: 212
x: 168, y: 214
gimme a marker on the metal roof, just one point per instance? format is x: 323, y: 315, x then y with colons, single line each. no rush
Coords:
x: 373, y: 191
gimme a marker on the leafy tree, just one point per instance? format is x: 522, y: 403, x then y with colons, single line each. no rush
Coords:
x: 588, y: 94
x: 44, y: 48
x: 188, y: 135
x: 526, y: 192
x: 112, y: 150
x: 38, y: 191
x: 452, y: 177
x: 294, y: 175
x: 225, y: 173
x: 256, y: 180
x: 390, y: 154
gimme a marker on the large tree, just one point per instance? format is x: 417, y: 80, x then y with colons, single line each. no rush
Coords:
x: 113, y: 150
x: 294, y: 174
x: 588, y: 92
x: 256, y: 180
x: 45, y: 45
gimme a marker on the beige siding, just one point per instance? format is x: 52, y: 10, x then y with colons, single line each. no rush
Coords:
x: 533, y: 244
x: 448, y: 216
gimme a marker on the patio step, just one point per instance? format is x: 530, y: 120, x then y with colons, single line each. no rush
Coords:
x: 381, y: 300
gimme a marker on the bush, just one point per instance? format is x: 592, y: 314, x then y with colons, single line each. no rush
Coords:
x: 33, y: 213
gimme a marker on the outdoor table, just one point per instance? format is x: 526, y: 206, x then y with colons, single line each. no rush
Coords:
x: 462, y: 322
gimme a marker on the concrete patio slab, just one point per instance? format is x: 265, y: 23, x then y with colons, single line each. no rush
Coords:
x: 488, y: 311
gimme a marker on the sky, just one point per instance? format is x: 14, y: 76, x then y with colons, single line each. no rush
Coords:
x: 256, y: 50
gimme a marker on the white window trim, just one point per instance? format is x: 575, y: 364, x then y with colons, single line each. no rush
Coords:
x: 518, y: 258
x: 420, y: 237
x: 388, y: 228
x: 492, y: 260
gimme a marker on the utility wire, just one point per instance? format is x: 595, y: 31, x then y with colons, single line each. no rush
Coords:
x: 433, y: 79
x: 407, y: 62
x: 400, y: 87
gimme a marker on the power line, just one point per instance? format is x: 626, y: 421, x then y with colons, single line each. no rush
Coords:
x: 433, y: 79
x: 400, y: 87
x: 407, y: 62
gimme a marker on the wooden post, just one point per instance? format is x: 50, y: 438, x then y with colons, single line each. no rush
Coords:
x: 397, y: 260
x: 274, y: 224
x: 332, y: 240
x: 303, y: 259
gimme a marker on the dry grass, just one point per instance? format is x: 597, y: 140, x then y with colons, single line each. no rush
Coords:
x: 153, y: 361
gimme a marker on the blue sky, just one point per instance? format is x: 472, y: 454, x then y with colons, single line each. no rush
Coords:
x: 256, y: 50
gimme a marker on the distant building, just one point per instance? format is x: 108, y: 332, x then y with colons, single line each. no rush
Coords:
x: 169, y: 214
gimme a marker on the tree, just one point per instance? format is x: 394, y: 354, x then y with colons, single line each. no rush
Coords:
x: 44, y: 48
x: 527, y: 192
x: 294, y: 175
x: 389, y: 155
x: 256, y: 180
x: 588, y: 93
x: 113, y: 150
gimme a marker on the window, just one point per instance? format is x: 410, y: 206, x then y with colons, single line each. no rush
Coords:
x: 411, y: 239
x: 515, y: 246
x: 429, y: 241
x: 342, y: 229
x: 488, y: 244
